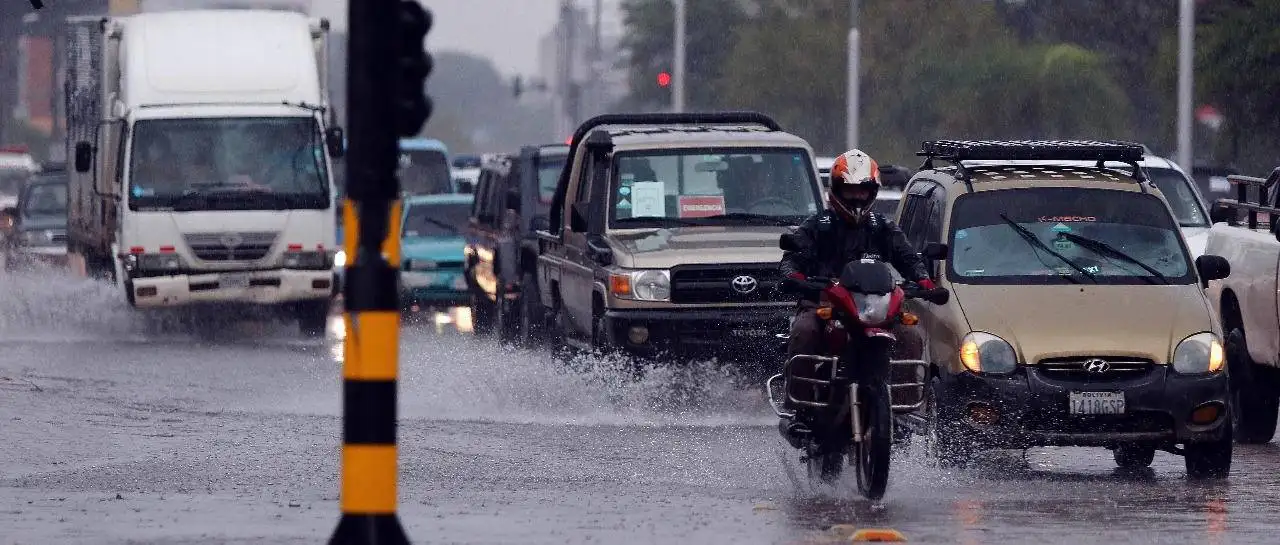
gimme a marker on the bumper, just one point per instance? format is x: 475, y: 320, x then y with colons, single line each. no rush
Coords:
x: 25, y: 256
x: 264, y: 288
x: 734, y: 333
x: 445, y: 287
x: 1032, y: 409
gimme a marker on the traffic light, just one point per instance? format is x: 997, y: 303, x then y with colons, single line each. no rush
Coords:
x: 413, y: 107
x: 664, y: 79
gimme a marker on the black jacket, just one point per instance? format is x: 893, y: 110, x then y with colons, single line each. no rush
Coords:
x: 827, y: 243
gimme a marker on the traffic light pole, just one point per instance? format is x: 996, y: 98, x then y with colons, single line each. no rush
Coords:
x: 385, y: 72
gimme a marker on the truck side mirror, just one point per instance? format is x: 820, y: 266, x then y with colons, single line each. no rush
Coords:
x: 84, y: 156
x: 1212, y: 267
x: 513, y: 200
x: 936, y: 251
x: 336, y: 140
x: 578, y: 218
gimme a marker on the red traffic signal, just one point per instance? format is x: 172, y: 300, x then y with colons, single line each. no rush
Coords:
x: 664, y: 79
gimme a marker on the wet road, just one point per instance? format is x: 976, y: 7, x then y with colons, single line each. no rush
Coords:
x: 120, y: 429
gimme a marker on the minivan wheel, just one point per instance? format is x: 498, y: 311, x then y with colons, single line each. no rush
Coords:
x: 1134, y: 456
x: 945, y: 443
x: 1211, y: 460
x: 1253, y: 417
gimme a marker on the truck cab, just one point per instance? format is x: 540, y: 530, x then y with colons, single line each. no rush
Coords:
x: 663, y: 235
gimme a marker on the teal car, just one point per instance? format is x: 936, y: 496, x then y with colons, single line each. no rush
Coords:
x: 431, y: 242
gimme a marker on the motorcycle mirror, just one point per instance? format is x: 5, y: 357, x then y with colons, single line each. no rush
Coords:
x: 789, y: 243
x: 938, y: 296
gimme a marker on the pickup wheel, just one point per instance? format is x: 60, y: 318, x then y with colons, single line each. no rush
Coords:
x: 532, y: 315
x: 1253, y: 417
x: 506, y: 318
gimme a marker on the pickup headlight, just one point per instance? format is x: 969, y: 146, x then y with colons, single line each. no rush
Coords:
x: 986, y: 353
x: 1199, y: 354
x: 641, y: 285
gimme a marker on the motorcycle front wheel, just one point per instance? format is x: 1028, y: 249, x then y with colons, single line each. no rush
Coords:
x: 871, y: 454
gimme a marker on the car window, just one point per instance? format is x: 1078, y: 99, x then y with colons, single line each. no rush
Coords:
x: 887, y: 206
x: 986, y: 249
x: 424, y: 172
x: 717, y: 186
x: 435, y: 219
x: 1182, y: 197
x: 548, y: 176
x: 45, y: 200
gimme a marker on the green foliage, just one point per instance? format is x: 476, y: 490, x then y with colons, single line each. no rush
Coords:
x: 709, y: 39
x: 1238, y: 50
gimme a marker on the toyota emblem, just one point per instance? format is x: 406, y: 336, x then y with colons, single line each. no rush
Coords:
x: 230, y: 240
x: 1096, y: 366
x: 744, y: 284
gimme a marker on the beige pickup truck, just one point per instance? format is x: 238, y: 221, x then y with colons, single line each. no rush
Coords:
x: 663, y: 235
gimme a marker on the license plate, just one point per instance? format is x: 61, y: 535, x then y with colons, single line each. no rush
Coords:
x: 1097, y: 402
x: 751, y: 333
x: 240, y: 280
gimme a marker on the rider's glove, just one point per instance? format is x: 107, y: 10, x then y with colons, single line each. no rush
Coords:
x: 797, y: 276
x: 927, y: 284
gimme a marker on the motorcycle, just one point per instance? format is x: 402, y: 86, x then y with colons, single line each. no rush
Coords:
x: 841, y: 403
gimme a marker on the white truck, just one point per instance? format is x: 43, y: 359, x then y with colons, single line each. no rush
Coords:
x: 1247, y: 233
x: 201, y: 159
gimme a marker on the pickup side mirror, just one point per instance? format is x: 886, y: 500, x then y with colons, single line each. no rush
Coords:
x: 513, y: 200
x: 539, y: 223
x: 578, y: 218
x: 599, y: 251
x: 935, y: 250
x: 84, y: 156
x: 1220, y: 213
x: 1212, y: 267
x: 335, y: 140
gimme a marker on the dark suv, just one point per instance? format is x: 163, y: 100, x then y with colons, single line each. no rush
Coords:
x: 513, y: 195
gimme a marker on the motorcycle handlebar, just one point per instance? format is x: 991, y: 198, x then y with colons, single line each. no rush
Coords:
x: 937, y: 296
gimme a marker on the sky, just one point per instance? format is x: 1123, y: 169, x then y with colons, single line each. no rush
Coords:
x: 505, y: 31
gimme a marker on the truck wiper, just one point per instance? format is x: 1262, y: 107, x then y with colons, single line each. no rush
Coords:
x: 1100, y: 247
x: 194, y: 200
x: 1035, y: 242
x: 752, y: 218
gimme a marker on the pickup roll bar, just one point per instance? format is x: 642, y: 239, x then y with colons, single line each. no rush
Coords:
x: 1243, y: 203
x: 1102, y: 151
x: 734, y: 117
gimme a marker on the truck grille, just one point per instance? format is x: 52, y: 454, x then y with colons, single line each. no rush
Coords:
x: 1078, y: 367
x: 231, y: 246
x: 741, y: 283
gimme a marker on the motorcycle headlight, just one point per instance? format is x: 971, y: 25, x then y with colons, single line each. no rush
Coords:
x: 643, y: 285
x: 986, y: 353
x: 1199, y: 354
x: 873, y: 309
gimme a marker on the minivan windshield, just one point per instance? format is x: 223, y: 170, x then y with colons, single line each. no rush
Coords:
x: 436, y: 219
x: 247, y: 163
x: 1059, y: 235
x: 712, y: 186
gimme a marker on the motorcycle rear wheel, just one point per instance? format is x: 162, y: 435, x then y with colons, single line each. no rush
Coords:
x: 871, y: 455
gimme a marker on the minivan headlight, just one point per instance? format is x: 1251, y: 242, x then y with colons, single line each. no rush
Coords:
x: 641, y: 285
x: 986, y: 353
x: 1199, y: 354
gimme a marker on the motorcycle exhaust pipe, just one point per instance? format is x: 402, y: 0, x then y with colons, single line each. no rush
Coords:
x: 855, y: 413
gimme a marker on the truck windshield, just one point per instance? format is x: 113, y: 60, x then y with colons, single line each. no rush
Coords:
x: 712, y: 186
x: 228, y: 163
x: 1098, y: 235
x: 446, y: 219
x: 424, y: 172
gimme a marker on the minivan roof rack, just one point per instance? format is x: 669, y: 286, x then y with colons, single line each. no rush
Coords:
x: 1102, y: 151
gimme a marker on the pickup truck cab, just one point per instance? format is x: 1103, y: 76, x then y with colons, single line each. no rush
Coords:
x: 664, y: 232
x: 1247, y: 301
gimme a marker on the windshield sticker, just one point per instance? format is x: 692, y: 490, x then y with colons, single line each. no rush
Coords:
x: 1062, y: 245
x: 624, y: 191
x: 962, y: 234
x: 1061, y: 228
x: 628, y: 178
x: 1059, y: 219
x: 1094, y: 269
x: 974, y: 272
x: 624, y: 204
x: 648, y: 199
x: 701, y: 206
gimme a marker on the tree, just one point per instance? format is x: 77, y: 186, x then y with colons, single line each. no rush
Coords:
x: 649, y: 28
x: 1238, y: 49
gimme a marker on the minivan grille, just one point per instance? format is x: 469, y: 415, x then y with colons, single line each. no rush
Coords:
x: 716, y: 283
x: 1079, y: 367
x: 231, y: 246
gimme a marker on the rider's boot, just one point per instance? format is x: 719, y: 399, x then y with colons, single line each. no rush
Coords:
x: 793, y: 431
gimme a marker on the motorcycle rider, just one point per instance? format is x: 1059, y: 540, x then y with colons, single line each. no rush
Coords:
x: 848, y: 231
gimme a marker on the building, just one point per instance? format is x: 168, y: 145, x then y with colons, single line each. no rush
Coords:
x: 578, y: 61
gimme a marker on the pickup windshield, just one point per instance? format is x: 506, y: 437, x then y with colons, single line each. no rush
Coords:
x: 266, y: 163
x: 436, y: 219
x: 1103, y: 236
x: 712, y: 186
x: 424, y: 172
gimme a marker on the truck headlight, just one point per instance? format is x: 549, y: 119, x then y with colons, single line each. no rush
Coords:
x: 1199, y: 354
x: 986, y: 353
x: 158, y: 262
x: 340, y: 258
x: 641, y: 285
x: 306, y: 260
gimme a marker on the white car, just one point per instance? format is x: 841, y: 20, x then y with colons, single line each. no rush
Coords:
x: 824, y: 169
x: 1179, y: 189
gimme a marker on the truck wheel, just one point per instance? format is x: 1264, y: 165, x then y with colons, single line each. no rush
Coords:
x: 1209, y: 460
x: 532, y: 315
x: 313, y: 317
x: 481, y: 315
x: 1253, y: 416
x: 1134, y: 456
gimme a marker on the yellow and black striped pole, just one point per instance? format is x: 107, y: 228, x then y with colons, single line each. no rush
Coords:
x: 386, y: 69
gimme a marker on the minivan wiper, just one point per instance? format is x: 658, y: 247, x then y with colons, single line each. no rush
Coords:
x: 1035, y: 242
x: 1100, y: 247
x: 441, y: 224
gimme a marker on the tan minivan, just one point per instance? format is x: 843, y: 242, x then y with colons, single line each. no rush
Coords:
x: 1077, y: 316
